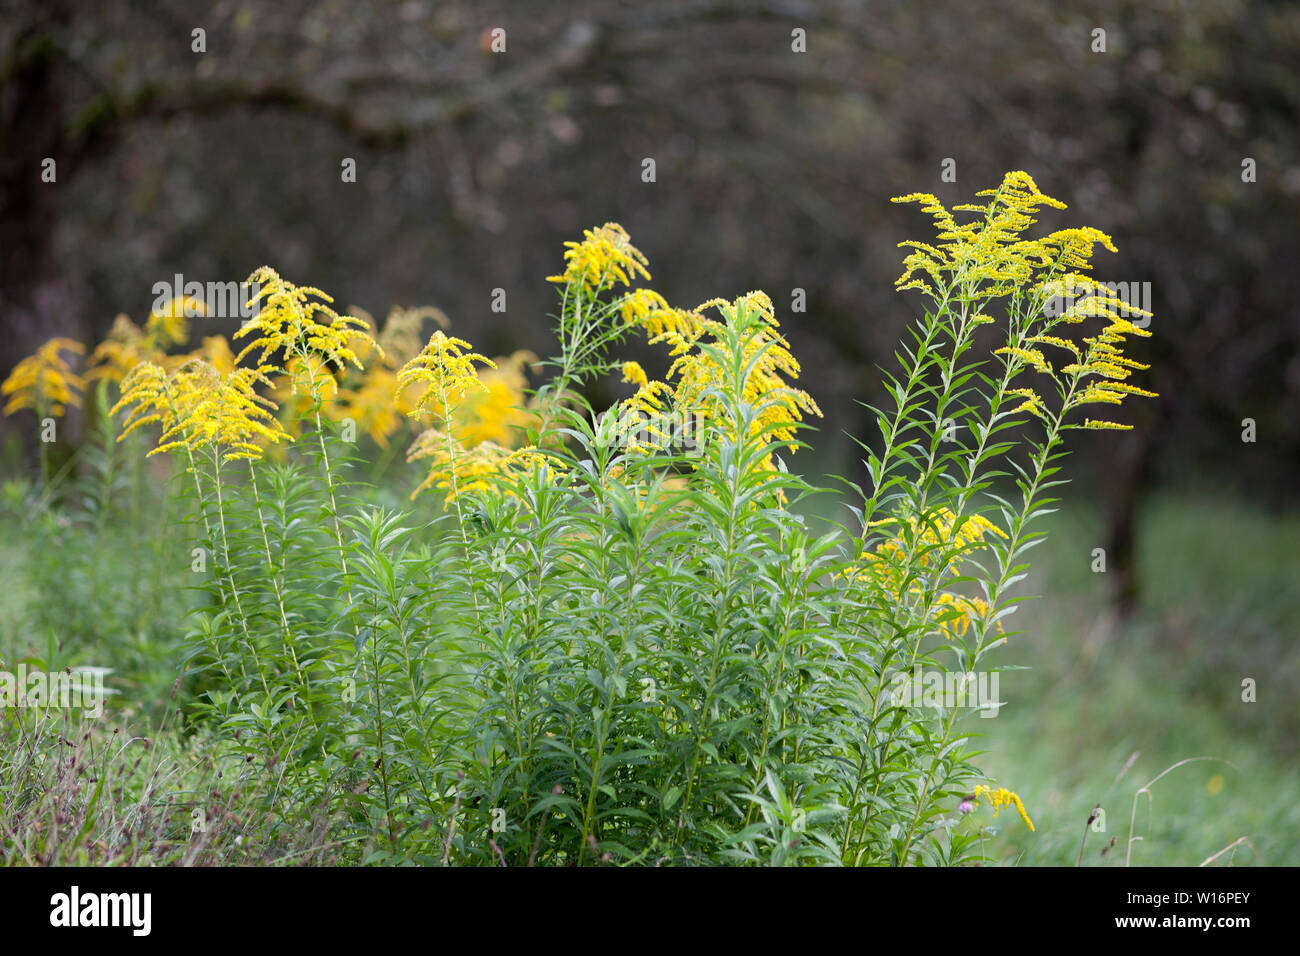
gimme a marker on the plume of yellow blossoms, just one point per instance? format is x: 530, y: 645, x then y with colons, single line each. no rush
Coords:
x: 125, y: 347
x: 200, y: 407
x: 470, y: 414
x: 441, y: 375
x: 1000, y: 798
x: 127, y: 344
x: 696, y: 373
x: 604, y: 257
x: 648, y: 310
x: 45, y: 382
x: 989, y: 257
x: 498, y: 412
x: 290, y: 322
x: 371, y: 398
x: 169, y: 325
x: 457, y: 470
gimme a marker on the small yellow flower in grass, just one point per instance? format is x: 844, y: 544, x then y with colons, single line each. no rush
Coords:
x: 45, y: 382
x: 1000, y: 798
x: 605, y: 256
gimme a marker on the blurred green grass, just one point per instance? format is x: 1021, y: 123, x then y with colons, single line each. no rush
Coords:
x: 1219, y: 604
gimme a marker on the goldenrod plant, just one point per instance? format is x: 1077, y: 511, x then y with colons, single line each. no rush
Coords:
x: 614, y: 636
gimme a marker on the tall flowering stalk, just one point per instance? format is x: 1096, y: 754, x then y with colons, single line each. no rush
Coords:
x: 974, y: 272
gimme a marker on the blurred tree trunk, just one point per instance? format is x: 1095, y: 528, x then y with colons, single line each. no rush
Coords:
x: 35, y: 301
x: 1129, y: 480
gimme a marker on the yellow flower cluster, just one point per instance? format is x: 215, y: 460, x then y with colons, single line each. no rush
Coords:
x: 986, y: 251
x: 1000, y: 798
x: 479, y: 413
x: 200, y: 407
x: 370, y: 397
x: 988, y: 256
x: 288, y: 322
x: 45, y: 382
x: 647, y: 309
x: 169, y: 325
x: 499, y: 411
x: 127, y: 344
x: 125, y: 347
x: 1104, y: 358
x: 442, y: 374
x: 697, y: 374
x: 940, y: 542
x: 456, y: 470
x: 604, y: 256
x: 938, y: 534
x: 964, y: 611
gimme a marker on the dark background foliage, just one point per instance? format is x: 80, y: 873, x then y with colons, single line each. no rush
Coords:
x: 774, y: 171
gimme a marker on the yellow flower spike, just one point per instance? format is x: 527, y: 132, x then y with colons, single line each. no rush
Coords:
x: 231, y: 416
x: 199, y: 407
x: 937, y: 535
x: 695, y: 373
x: 604, y: 257
x: 456, y: 470
x: 966, y: 610
x: 45, y: 382
x: 145, y: 389
x: 125, y: 347
x: 1055, y: 340
x: 170, y: 325
x: 1000, y: 798
x: 1032, y: 357
x: 634, y: 374
x: 1033, y: 402
x: 989, y: 253
x: 443, y: 373
x: 289, y: 321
